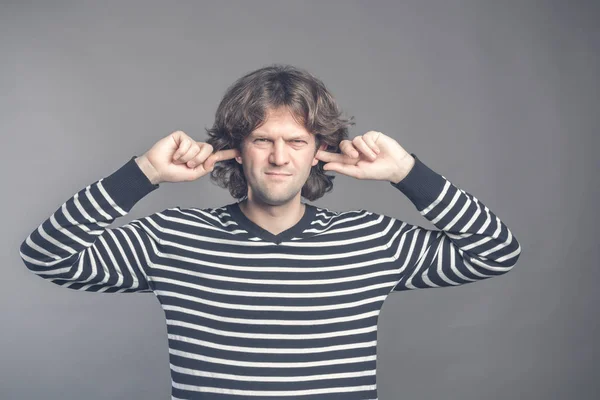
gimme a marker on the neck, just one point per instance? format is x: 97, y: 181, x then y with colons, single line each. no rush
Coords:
x: 274, y: 219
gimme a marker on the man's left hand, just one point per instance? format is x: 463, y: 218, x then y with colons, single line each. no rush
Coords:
x: 369, y: 156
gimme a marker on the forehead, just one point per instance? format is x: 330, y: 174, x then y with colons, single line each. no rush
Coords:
x: 279, y: 122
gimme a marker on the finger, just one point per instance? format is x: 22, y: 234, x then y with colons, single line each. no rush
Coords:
x: 221, y: 155
x: 346, y: 169
x: 360, y: 144
x: 204, y: 150
x: 228, y: 154
x: 348, y: 148
x: 370, y: 141
x: 184, y: 145
x: 209, y: 163
x: 190, y: 154
x: 327, y: 156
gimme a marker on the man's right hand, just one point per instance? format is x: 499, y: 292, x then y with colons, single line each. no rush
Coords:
x: 179, y: 158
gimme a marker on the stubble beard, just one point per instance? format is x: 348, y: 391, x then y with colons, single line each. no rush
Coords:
x: 274, y: 194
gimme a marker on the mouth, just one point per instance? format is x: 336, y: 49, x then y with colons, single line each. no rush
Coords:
x: 277, y: 177
x: 277, y: 174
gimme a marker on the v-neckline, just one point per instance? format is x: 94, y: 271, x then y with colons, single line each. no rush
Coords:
x: 294, y: 231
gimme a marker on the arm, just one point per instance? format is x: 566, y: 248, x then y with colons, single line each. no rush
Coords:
x: 75, y: 249
x: 472, y: 243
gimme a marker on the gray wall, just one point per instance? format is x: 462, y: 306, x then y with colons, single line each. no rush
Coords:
x: 499, y: 97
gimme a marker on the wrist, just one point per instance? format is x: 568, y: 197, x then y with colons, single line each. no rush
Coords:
x: 148, y: 169
x: 404, y: 167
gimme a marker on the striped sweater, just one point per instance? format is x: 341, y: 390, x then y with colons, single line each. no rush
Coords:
x: 253, y: 315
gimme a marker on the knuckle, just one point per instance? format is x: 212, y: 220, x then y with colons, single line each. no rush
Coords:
x: 207, y: 149
x: 375, y: 135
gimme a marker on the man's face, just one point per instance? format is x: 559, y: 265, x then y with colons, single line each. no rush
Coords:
x: 277, y: 158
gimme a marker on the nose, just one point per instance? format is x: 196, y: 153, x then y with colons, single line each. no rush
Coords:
x: 279, y: 153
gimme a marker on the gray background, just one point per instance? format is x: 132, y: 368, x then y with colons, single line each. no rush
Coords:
x: 499, y: 97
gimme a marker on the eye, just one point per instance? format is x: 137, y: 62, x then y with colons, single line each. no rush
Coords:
x: 258, y: 140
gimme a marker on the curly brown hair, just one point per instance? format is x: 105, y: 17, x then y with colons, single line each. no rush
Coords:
x: 244, y: 108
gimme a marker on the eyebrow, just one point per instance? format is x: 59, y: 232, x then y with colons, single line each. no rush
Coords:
x: 293, y: 137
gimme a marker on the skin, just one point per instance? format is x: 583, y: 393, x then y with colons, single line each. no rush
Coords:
x: 282, y: 145
x: 279, y: 146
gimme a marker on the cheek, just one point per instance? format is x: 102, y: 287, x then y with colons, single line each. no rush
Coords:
x: 308, y: 162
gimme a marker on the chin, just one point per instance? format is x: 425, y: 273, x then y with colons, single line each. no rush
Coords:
x: 277, y: 200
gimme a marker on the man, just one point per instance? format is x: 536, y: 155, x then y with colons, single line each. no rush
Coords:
x: 270, y: 297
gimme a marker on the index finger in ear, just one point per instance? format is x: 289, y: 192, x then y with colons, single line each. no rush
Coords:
x: 334, y: 157
x: 228, y: 154
x: 220, y: 155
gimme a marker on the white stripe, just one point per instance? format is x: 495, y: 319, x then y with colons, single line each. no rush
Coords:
x: 256, y: 321
x: 271, y: 294
x: 271, y: 336
x: 239, y: 306
x: 273, y: 350
x: 262, y: 378
x: 257, y: 364
x: 109, y: 199
x: 344, y: 389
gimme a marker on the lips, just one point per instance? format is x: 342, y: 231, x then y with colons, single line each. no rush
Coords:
x: 277, y: 174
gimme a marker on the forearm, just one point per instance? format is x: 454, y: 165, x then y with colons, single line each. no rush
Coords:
x: 472, y: 242
x: 75, y: 248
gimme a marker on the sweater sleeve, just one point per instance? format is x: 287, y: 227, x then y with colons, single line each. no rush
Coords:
x: 472, y: 243
x: 75, y: 249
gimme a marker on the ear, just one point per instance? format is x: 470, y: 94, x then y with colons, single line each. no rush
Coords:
x: 239, y: 158
x: 315, y: 160
x: 240, y: 149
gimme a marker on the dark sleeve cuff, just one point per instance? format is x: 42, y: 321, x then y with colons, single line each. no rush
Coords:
x: 421, y: 185
x: 128, y: 185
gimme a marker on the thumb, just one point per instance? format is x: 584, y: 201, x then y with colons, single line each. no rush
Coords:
x: 332, y: 166
x: 221, y: 155
x: 197, y: 172
x: 341, y: 168
x: 209, y: 163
